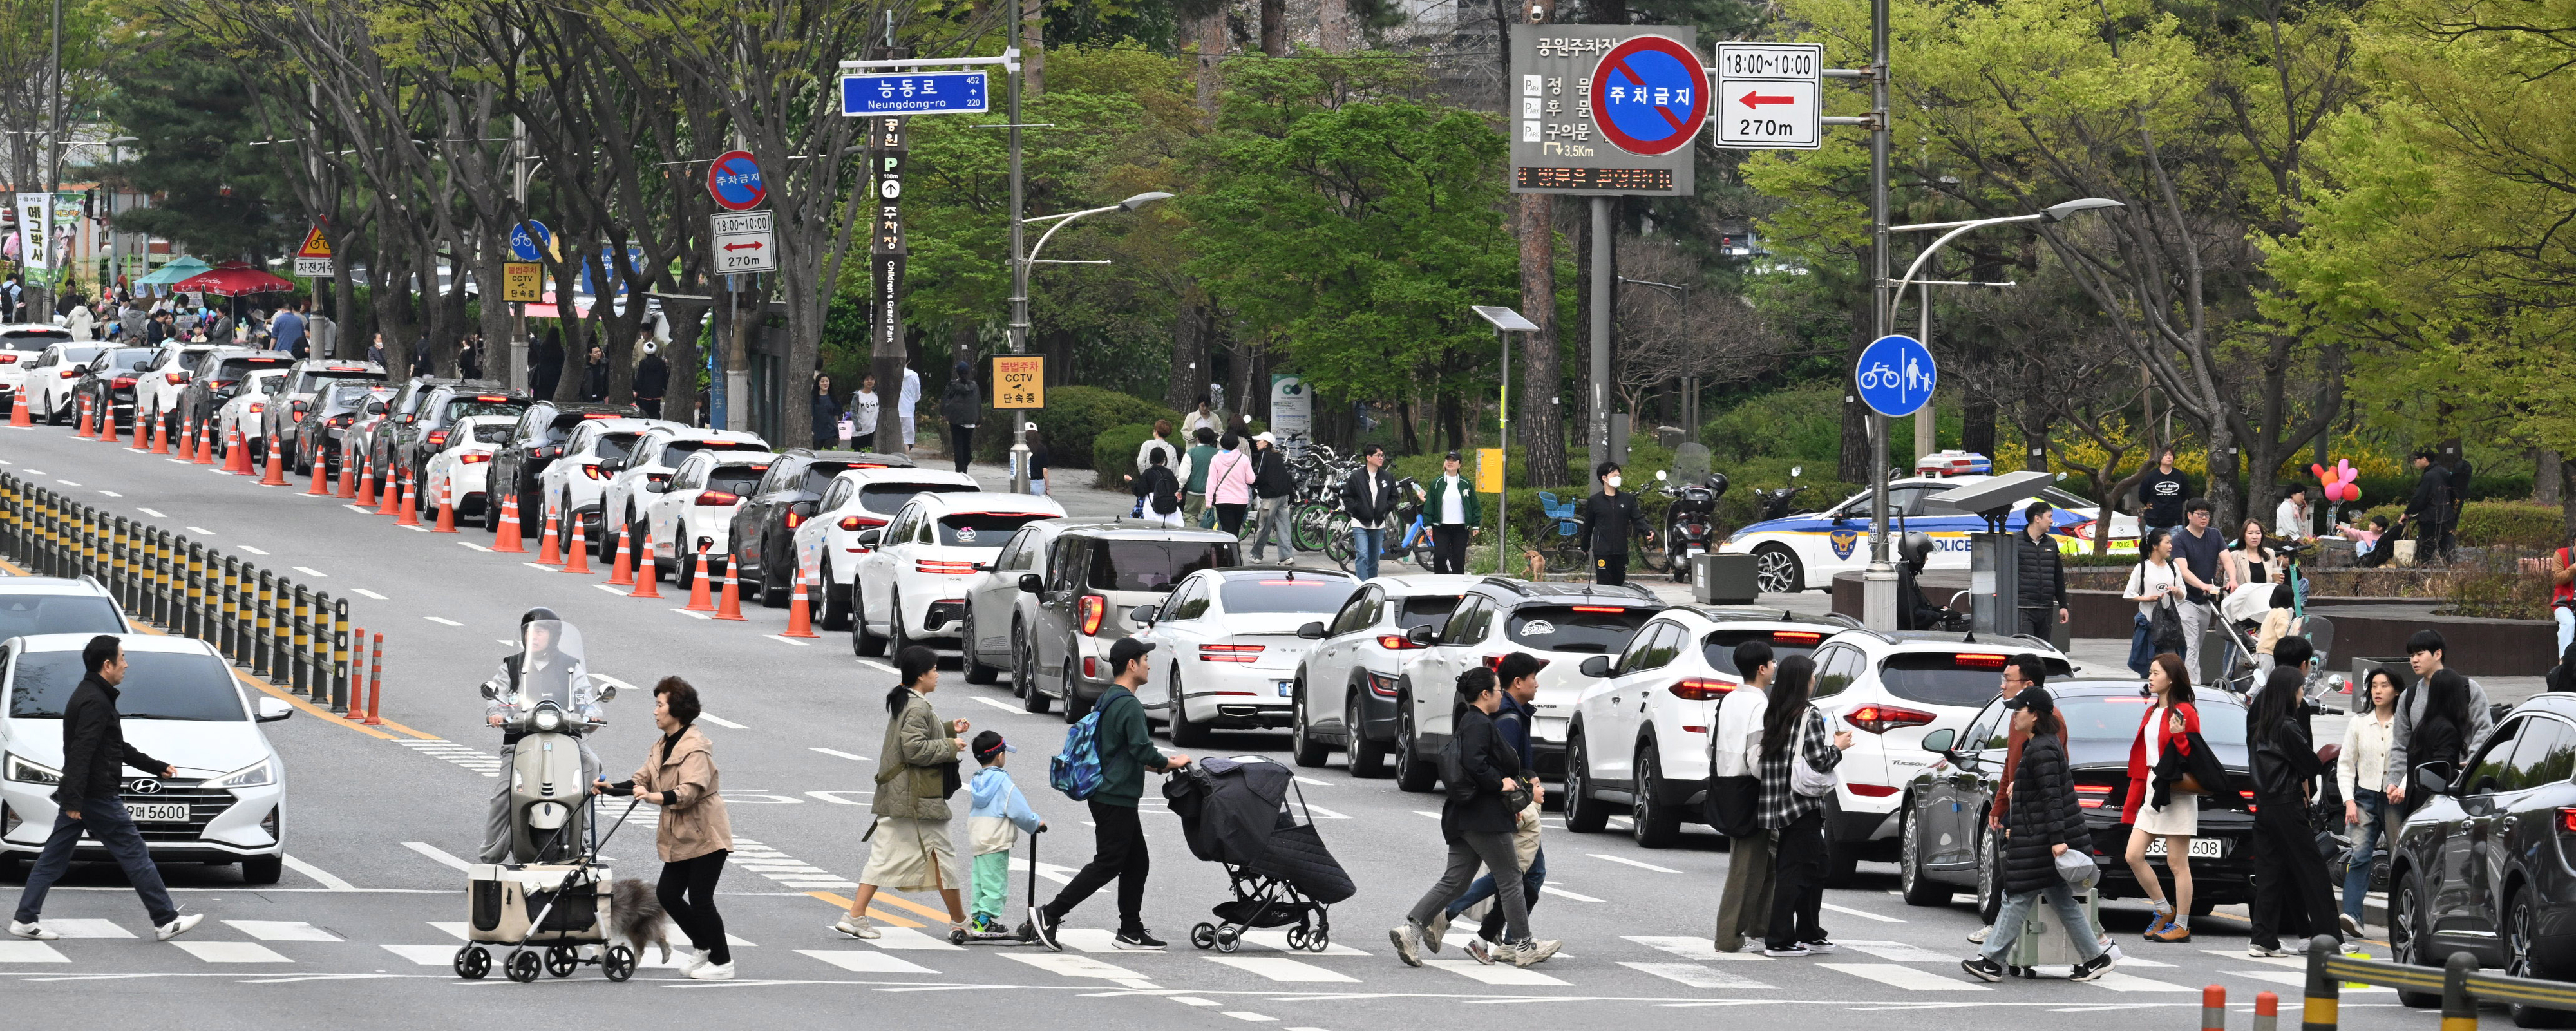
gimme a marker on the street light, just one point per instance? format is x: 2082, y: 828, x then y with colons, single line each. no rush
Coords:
x: 1505, y: 320
x: 1020, y: 311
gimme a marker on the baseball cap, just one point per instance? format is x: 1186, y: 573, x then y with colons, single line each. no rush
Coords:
x: 1128, y: 649
x: 989, y: 744
x: 1450, y: 457
x: 2032, y: 698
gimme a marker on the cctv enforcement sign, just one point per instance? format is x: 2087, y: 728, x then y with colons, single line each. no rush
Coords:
x: 1769, y: 96
x: 1605, y: 109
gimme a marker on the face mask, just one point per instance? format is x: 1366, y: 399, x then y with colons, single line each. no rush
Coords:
x: 1612, y: 479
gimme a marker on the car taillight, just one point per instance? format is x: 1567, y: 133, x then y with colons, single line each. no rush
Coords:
x: 1697, y: 689
x: 8, y: 359
x: 490, y: 398
x: 471, y: 459
x: 859, y: 522
x: 944, y: 568
x: 437, y: 438
x: 73, y: 374
x: 121, y: 381
x: 1879, y: 719
x: 1599, y: 608
x: 1395, y: 642
x: 341, y: 420
x: 1088, y: 613
x: 1801, y: 637
x: 175, y: 378
x: 2091, y: 796
x: 1383, y: 687
x: 257, y: 407
x: 1229, y: 652
x: 1972, y: 660
x: 1495, y: 663
x: 795, y: 519
x: 221, y: 383
x: 2567, y: 820
x: 718, y: 497
x: 593, y: 472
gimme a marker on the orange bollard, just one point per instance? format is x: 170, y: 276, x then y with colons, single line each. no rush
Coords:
x: 698, y: 600
x: 376, y: 683
x: 321, y: 478
x: 18, y: 409
x: 507, y: 541
x: 411, y: 501
x: 648, y: 573
x: 576, y: 554
x: 161, y: 436
x: 2213, y: 1008
x: 348, y: 479
x: 446, y: 507
x: 800, y: 613
x: 549, y: 550
x: 731, y: 606
x: 622, y: 574
x: 2267, y: 1011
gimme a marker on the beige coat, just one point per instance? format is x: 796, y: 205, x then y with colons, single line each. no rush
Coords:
x: 693, y: 816
x: 917, y: 745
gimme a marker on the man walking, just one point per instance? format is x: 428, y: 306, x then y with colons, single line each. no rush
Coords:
x: 1476, y: 820
x: 594, y: 376
x: 1734, y: 770
x: 2197, y: 546
x: 2424, y: 655
x: 1126, y: 750
x: 653, y: 376
x: 1608, y: 519
x: 94, y: 751
x: 1273, y: 484
x: 1368, y: 495
x: 2040, y: 574
x: 2428, y: 511
x: 286, y: 331
x: 1455, y: 516
x: 2160, y: 495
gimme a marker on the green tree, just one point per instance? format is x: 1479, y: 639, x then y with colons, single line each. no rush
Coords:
x: 194, y: 126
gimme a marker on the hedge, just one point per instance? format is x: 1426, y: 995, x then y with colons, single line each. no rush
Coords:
x: 2516, y: 524
x: 1072, y: 420
x: 1118, y: 440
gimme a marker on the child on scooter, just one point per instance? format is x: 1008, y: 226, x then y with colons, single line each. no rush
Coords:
x: 994, y: 825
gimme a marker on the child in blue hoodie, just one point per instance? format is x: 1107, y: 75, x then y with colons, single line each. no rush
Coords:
x: 994, y: 826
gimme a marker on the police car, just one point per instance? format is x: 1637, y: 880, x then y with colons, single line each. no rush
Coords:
x: 1804, y: 551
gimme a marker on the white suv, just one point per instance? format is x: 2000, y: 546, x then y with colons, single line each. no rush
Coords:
x: 655, y: 455
x: 1559, y: 623
x: 913, y: 585
x: 1346, y: 688
x: 694, y: 511
x: 574, y: 484
x: 1640, y: 733
x: 857, y: 501
x: 161, y: 381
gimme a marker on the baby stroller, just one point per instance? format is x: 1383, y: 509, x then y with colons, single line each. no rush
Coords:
x: 1236, y: 812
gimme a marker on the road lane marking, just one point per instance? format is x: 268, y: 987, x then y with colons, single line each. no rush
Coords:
x: 232, y: 952
x: 874, y: 664
x: 310, y: 571
x: 252, y: 550
x: 153, y: 514
x: 789, y: 640
x: 201, y: 531
x: 1897, y: 952
x: 1623, y: 861
x: 844, y: 755
x: 1897, y: 975
x: 1864, y: 914
x: 327, y: 879
x: 1695, y: 975
x: 67, y: 483
x: 368, y: 593
x: 448, y: 622
x: 1069, y: 965
x: 282, y: 931
x: 618, y: 591
x: 1004, y: 706
x: 14, y: 952
x: 475, y: 546
x: 1313, y: 781
x: 684, y: 612
x: 1493, y: 975
x: 111, y: 494
x: 721, y: 722
x: 2119, y: 982
x: 433, y: 852
x: 87, y: 928
x: 1554, y: 890
x: 866, y: 961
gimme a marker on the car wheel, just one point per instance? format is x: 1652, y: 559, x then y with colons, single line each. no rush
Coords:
x: 896, y: 639
x: 1368, y: 758
x: 836, y: 601
x: 1301, y: 740
x: 1989, y: 864
x: 1024, y: 673
x: 776, y: 592
x: 1652, y: 823
x: 976, y: 671
x: 684, y: 568
x: 2522, y: 927
x: 1185, y: 733
x: 1074, y: 707
x: 2406, y: 929
x: 263, y: 869
x: 1583, y: 813
x: 862, y: 643
x: 1413, y: 770
x: 1776, y: 570
x: 1912, y: 882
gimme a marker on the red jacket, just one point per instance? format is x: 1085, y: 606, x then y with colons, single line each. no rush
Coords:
x: 2139, y: 771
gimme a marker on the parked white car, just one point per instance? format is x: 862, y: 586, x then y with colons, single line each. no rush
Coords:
x: 1227, y: 646
x: 1641, y: 731
x: 860, y: 500
x: 20, y: 345
x: 913, y: 586
x: 157, y: 388
x: 574, y: 484
x: 693, y: 512
x: 180, y: 704
x: 1560, y: 623
x: 652, y: 459
x: 50, y: 380
x: 1346, y: 689
x: 242, y: 411
x: 465, y: 464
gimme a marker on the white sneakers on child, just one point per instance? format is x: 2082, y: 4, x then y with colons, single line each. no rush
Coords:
x: 858, y: 927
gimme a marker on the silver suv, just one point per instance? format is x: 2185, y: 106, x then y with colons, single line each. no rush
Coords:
x: 1091, y: 580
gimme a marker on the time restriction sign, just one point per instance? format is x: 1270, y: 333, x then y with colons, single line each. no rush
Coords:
x: 1768, y: 96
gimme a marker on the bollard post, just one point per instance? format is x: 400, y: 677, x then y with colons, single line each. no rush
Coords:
x: 2459, y: 1008
x: 340, y: 654
x: 376, y: 683
x: 2267, y: 1011
x: 302, y: 643
x: 2213, y: 1008
x: 354, y: 685
x: 2323, y: 1009
x: 263, y: 626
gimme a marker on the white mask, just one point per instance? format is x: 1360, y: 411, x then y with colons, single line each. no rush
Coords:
x: 1612, y: 479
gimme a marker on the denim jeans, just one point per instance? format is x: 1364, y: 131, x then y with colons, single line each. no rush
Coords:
x: 106, y: 821
x: 2365, y: 845
x: 2019, y: 908
x: 1366, y: 546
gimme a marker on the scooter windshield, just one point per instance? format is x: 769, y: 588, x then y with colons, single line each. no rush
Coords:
x: 550, y: 655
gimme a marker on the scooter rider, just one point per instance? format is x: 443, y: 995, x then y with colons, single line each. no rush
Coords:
x: 538, y: 658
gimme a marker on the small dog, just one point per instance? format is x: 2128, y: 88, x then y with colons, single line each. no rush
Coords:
x: 636, y: 917
x: 1537, y: 564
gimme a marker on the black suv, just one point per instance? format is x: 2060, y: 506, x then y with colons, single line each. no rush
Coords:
x: 763, y: 531
x: 535, y: 444
x: 379, y: 441
x: 413, y: 441
x: 2487, y: 866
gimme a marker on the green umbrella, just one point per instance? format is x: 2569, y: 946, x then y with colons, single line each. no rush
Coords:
x: 179, y: 268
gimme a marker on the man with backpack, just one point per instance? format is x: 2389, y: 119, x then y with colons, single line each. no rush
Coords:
x: 1121, y: 750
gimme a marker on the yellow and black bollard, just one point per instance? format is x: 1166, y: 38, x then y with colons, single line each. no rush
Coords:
x: 2324, y: 1003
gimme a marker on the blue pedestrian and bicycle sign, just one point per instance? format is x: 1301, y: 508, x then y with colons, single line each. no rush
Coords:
x: 1650, y: 95
x: 1896, y: 375
x: 528, y: 240
x: 915, y: 93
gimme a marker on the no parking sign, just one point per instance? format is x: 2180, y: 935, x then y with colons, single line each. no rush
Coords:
x: 1650, y: 95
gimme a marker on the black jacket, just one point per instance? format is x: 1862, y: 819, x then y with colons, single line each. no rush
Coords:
x: 1608, y: 520
x: 1355, y: 497
x: 1484, y: 759
x: 94, y: 748
x: 1159, y: 488
x: 1913, y: 610
x: 2432, y: 500
x: 2285, y: 762
x: 2043, y: 814
x: 594, y: 381
x: 1270, y: 476
x: 2460, y: 473
x: 652, y: 376
x: 961, y: 404
x: 2197, y: 762
x: 2040, y: 572
x: 825, y: 414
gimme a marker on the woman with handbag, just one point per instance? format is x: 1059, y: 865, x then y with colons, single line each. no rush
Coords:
x: 2157, y: 588
x: 2290, y: 891
x: 910, y: 845
x: 2170, y: 718
x: 2045, y: 824
x: 2362, y: 772
x: 1477, y: 820
x: 1797, y: 773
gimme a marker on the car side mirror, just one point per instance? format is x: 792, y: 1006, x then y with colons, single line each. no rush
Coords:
x: 869, y: 538
x: 612, y: 465
x: 1031, y: 583
x: 1143, y: 615
x: 1421, y: 636
x: 2434, y: 778
x: 299, y: 407
x: 657, y: 486
x: 1311, y: 631
x: 272, y: 710
x: 1940, y: 740
x: 376, y: 408
x: 1596, y: 667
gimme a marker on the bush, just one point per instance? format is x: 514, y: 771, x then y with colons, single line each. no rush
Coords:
x: 1802, y: 423
x: 1118, y: 440
x: 1072, y: 420
x: 2519, y: 524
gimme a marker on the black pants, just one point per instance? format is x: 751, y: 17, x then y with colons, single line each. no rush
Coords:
x: 961, y: 443
x: 688, y: 893
x: 1119, y: 854
x: 2290, y: 891
x: 1449, y: 547
x: 1797, y: 882
x: 650, y: 406
x: 2039, y: 623
x: 1229, y: 518
x: 1610, y: 569
x: 2428, y: 542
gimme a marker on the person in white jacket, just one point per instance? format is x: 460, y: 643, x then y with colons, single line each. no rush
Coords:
x: 2362, y: 772
x: 81, y: 322
x: 1735, y: 744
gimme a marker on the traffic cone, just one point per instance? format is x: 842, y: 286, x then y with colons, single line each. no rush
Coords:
x: 348, y: 480
x: 205, y: 444
x: 18, y: 408
x: 141, y: 441
x: 237, y: 455
x: 507, y: 540
x: 393, y: 496
x: 107, y: 426
x: 84, y: 430
x: 549, y: 550
x: 698, y: 600
x: 367, y: 482
x: 321, y: 477
x: 410, y: 503
x: 648, y: 574
x: 446, y: 507
x: 622, y: 573
x: 276, y: 474
x: 161, y: 436
x: 576, y: 553
x: 731, y: 606
x: 800, y: 613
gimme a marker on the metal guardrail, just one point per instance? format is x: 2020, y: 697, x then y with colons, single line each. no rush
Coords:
x: 277, y: 629
x: 2458, y: 982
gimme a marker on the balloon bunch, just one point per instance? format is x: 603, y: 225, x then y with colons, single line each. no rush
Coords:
x: 2339, y: 485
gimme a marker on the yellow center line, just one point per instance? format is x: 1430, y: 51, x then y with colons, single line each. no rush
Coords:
x: 873, y: 911
x: 940, y: 915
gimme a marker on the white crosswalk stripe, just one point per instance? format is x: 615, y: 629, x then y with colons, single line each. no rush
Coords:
x: 866, y: 961
x: 1696, y: 976
x: 86, y: 928
x: 780, y: 867
x: 1281, y: 968
x: 30, y: 952
x: 485, y: 763
x: 1908, y: 978
x: 1069, y: 965
x: 1498, y: 974
x: 232, y: 952
x: 2119, y: 982
x: 282, y: 930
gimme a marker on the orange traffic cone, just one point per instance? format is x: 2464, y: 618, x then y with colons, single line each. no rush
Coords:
x: 800, y: 613
x: 731, y: 606
x: 18, y: 408
x: 348, y: 479
x: 141, y: 442
x: 446, y: 507
x: 577, y: 553
x: 321, y: 477
x: 622, y: 574
x: 205, y: 444
x: 392, y: 499
x: 507, y: 542
x: 276, y: 474
x: 161, y: 436
x: 549, y: 550
x: 698, y: 600
x: 84, y: 430
x: 648, y: 573
x: 411, y: 501
x: 237, y: 455
x: 107, y: 426
x: 367, y: 482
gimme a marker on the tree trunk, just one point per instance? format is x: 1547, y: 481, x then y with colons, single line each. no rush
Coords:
x: 1334, y: 31
x: 1211, y: 50
x: 1452, y: 421
x: 1854, y: 464
x: 1540, y: 416
x: 1032, y: 51
x: 1274, y: 27
x: 2546, y: 486
x: 1190, y: 366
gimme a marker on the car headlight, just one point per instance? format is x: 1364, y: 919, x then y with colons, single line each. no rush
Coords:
x: 27, y: 771
x: 258, y: 774
x: 547, y: 720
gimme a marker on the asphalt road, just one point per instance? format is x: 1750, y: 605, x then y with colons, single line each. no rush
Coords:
x: 360, y: 931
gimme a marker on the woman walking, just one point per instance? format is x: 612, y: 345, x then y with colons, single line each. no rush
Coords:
x: 2290, y: 891
x: 2153, y: 585
x: 826, y: 413
x: 1039, y: 460
x: 962, y: 404
x: 2252, y: 561
x: 910, y: 846
x: 2170, y: 717
x: 1229, y: 484
x: 1477, y: 820
x: 695, y: 836
x: 2362, y: 772
x: 1797, y: 774
x: 2045, y: 822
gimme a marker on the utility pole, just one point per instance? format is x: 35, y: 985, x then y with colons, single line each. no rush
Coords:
x: 1878, y: 581
x: 519, y: 203
x: 1598, y: 430
x: 1019, y: 268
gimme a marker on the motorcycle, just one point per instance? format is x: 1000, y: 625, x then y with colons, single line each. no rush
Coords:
x: 1690, y: 524
x: 1775, y: 503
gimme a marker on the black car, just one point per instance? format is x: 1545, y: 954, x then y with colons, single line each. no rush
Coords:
x: 108, y: 380
x: 337, y: 407
x: 763, y: 530
x: 1943, y: 846
x: 425, y: 432
x: 2487, y: 865
x: 219, y: 372
x: 379, y: 441
x: 534, y: 444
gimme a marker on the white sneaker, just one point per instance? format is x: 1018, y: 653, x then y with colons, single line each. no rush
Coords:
x: 690, y: 963
x: 32, y: 932
x: 178, y: 927
x: 858, y: 927
x: 2261, y: 951
x: 712, y: 972
x: 1438, y: 928
x: 2351, y: 927
x: 1534, y: 952
x: 1979, y: 936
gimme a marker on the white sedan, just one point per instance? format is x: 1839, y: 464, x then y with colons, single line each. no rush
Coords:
x: 1227, y: 650
x: 242, y: 412
x: 49, y: 381
x: 692, y: 512
x: 913, y: 585
x: 465, y: 465
x: 859, y: 500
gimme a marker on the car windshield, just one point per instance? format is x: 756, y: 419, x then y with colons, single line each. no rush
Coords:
x: 1941, y: 678
x: 1600, y: 629
x: 158, y: 686
x: 737, y: 479
x: 679, y: 449
x: 80, y: 355
x: 492, y: 433
x: 1155, y: 565
x: 1286, y: 593
x: 2116, y: 718
x: 236, y: 368
x: 1719, y: 647
x: 817, y: 476
x: 131, y: 358
x: 888, y: 498
x: 982, y: 529
x: 29, y: 343
x: 461, y: 407
x: 1431, y: 610
x: 57, y: 614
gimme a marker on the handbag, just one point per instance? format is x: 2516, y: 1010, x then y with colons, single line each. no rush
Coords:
x: 2169, y: 634
x: 1808, y: 781
x: 1734, y: 803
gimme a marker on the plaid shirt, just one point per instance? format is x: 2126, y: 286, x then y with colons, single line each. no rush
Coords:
x: 1780, y: 805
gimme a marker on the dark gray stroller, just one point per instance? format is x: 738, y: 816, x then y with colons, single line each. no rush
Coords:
x: 1236, y: 812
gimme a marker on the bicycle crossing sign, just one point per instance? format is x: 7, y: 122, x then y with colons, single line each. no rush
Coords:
x: 1896, y: 375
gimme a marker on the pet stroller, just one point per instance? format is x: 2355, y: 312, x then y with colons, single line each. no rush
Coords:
x: 1236, y: 812
x: 544, y: 915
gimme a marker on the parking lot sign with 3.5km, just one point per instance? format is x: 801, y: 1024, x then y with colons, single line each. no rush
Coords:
x: 1769, y: 96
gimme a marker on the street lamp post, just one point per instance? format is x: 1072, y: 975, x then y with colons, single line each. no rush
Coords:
x: 1505, y: 321
x: 1020, y: 306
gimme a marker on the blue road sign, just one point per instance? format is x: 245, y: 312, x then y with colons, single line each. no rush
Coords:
x: 1896, y: 375
x: 528, y: 240
x: 915, y: 93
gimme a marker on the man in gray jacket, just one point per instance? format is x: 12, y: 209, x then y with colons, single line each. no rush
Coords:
x: 2424, y: 656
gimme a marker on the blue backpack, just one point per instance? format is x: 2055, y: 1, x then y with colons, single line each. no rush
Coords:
x: 1076, y: 769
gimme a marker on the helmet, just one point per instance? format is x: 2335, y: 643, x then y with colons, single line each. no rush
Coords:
x: 1915, y: 548
x: 535, y: 614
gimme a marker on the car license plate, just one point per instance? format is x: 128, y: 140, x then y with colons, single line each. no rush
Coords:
x: 2201, y: 848
x: 158, y: 812
x: 1285, y: 686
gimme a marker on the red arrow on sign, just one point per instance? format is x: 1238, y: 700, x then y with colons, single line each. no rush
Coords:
x: 1756, y: 100
x: 742, y: 246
